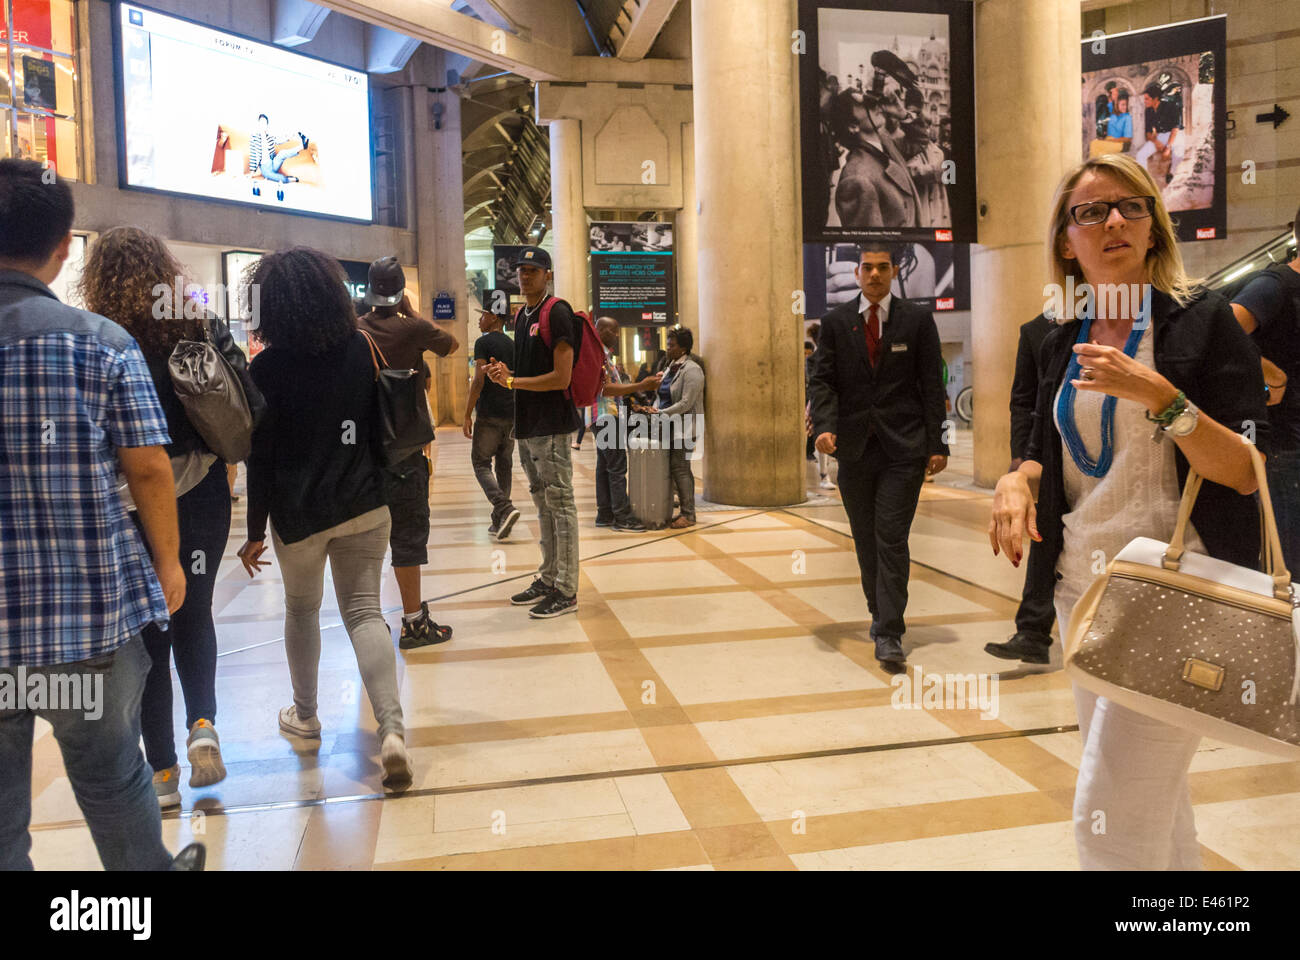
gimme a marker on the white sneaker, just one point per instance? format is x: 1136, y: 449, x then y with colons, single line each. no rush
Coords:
x: 290, y: 722
x: 826, y: 484
x: 397, y: 766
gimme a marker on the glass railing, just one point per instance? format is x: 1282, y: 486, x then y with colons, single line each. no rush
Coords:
x: 1280, y: 249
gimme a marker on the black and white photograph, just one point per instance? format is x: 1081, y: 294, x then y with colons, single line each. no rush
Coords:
x: 631, y: 237
x: 935, y: 276
x: 1158, y: 95
x: 503, y: 255
x: 887, y: 122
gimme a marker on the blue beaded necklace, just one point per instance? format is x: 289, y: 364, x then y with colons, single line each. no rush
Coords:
x: 1065, y: 403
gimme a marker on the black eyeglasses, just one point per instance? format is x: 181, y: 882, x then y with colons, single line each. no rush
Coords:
x: 1098, y: 211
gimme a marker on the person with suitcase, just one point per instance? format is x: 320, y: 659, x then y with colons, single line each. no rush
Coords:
x: 681, y: 400
x: 548, y: 338
x: 612, y: 506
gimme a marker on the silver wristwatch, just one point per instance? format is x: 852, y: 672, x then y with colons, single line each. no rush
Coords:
x: 1184, y: 423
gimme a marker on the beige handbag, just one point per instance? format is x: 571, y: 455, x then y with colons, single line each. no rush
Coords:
x: 1195, y: 642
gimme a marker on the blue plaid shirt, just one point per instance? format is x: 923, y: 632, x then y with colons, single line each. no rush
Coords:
x: 75, y: 580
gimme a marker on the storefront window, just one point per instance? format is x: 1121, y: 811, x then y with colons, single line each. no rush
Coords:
x: 39, y: 83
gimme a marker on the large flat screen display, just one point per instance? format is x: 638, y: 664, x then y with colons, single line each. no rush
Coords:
x: 211, y: 114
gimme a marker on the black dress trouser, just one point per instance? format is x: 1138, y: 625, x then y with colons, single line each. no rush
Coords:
x: 880, y: 497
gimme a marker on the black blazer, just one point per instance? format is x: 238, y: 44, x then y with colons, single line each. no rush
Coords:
x: 1202, y: 351
x: 1024, y: 388
x: 901, y: 401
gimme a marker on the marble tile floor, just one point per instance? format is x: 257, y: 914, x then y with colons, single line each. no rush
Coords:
x: 714, y: 704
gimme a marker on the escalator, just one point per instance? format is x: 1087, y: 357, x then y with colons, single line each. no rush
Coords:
x: 1280, y: 249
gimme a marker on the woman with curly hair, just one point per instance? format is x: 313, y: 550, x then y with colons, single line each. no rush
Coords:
x: 132, y: 278
x: 315, y: 472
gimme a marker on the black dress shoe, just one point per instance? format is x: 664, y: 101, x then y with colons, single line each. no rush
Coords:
x: 889, y: 650
x: 192, y: 858
x: 1021, y: 647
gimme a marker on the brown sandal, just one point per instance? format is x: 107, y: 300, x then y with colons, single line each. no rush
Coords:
x: 681, y: 523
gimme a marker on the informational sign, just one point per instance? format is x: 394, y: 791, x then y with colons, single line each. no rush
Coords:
x: 632, y: 273
x: 444, y: 306
x: 39, y: 91
x: 1159, y: 96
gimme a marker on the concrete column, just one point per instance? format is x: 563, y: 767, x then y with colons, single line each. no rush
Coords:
x: 749, y: 261
x: 1031, y: 46
x: 440, y: 224
x: 686, y: 242
x: 568, y: 215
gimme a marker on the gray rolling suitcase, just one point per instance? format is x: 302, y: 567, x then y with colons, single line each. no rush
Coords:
x: 648, y: 485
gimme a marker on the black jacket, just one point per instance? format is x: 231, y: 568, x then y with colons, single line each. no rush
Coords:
x: 1024, y: 388
x: 1202, y: 351
x: 901, y: 401
x: 316, y: 455
x: 184, y: 437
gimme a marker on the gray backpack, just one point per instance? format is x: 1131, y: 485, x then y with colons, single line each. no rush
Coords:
x: 213, y: 397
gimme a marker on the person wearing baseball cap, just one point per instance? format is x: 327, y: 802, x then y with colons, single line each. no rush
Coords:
x: 402, y: 335
x: 544, y: 420
x: 490, y: 423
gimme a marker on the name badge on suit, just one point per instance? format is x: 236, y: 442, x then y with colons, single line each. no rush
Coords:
x: 898, y: 348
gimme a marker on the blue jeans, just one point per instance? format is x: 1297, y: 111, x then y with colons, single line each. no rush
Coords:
x: 102, y: 756
x: 271, y: 165
x: 1283, y: 471
x: 204, y: 517
x: 548, y: 462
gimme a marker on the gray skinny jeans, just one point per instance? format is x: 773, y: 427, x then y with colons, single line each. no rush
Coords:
x: 355, y: 550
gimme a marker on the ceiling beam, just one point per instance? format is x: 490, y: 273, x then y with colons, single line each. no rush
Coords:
x: 647, y: 19
x: 442, y: 27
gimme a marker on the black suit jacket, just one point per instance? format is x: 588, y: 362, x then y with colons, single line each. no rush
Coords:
x: 1024, y: 388
x: 1201, y: 350
x: 901, y: 401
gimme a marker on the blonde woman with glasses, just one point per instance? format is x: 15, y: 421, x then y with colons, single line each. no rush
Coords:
x: 1151, y: 376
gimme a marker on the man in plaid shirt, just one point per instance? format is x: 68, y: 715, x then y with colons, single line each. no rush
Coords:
x: 76, y: 585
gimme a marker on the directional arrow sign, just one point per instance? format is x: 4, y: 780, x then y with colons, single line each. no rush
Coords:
x: 1277, y: 116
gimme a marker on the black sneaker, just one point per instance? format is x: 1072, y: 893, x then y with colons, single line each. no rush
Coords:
x: 538, y: 591
x: 1022, y: 647
x: 493, y: 530
x: 557, y: 604
x: 507, y: 524
x: 630, y: 525
x: 604, y: 523
x: 422, y: 631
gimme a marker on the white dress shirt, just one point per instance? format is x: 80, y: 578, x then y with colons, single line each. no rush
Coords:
x: 864, y: 306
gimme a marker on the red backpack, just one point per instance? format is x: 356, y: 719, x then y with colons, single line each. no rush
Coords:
x: 588, y: 361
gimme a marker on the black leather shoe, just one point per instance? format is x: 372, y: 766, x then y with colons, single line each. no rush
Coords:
x: 1021, y: 647
x: 889, y: 650
x: 192, y: 858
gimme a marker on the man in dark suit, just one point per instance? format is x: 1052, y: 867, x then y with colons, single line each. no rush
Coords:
x: 878, y: 405
x: 1033, y: 637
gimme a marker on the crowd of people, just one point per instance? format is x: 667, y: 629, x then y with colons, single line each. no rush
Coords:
x: 115, y: 510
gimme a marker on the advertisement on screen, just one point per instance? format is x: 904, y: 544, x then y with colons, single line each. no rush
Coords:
x: 211, y: 114
x: 935, y: 276
x: 632, y: 274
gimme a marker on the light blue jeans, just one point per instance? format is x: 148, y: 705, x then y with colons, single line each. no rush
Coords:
x: 272, y: 164
x: 549, y: 465
x: 112, y: 783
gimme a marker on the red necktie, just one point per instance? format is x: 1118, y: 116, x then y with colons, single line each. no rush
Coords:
x: 873, y: 333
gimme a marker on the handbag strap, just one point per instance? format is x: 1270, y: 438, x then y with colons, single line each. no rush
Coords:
x: 1274, y: 562
x: 376, y: 355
